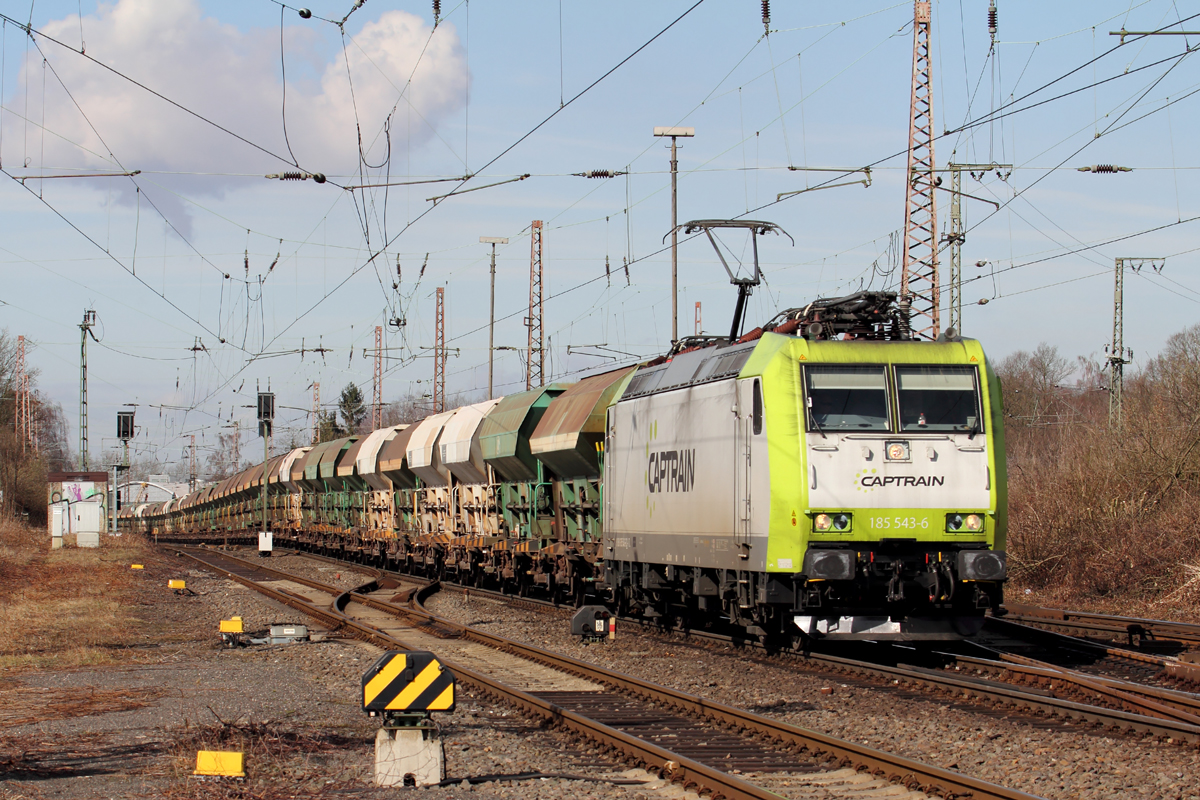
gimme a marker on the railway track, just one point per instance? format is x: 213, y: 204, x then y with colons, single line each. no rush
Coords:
x: 697, y: 743
x: 1144, y: 634
x: 1071, y: 679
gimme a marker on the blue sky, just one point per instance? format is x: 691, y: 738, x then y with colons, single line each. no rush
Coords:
x: 828, y: 88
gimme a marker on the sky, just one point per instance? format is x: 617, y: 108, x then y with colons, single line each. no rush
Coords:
x: 210, y: 280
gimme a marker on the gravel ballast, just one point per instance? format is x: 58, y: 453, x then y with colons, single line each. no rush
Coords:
x: 1019, y: 751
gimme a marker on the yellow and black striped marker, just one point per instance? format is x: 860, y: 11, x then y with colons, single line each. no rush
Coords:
x: 408, y: 683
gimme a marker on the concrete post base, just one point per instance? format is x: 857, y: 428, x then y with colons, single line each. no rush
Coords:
x: 409, y: 757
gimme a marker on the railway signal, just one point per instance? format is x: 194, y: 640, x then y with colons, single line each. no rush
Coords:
x: 266, y: 419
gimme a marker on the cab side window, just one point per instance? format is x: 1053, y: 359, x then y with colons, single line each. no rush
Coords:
x: 757, y: 410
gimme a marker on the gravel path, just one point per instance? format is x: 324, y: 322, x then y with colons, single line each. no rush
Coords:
x: 1020, y: 752
x: 133, y: 730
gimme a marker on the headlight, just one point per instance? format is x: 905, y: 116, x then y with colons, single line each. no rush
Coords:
x: 964, y: 523
x: 831, y: 522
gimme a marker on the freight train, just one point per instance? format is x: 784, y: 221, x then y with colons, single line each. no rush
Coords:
x: 826, y: 475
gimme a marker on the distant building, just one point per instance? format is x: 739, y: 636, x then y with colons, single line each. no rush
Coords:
x: 78, y: 507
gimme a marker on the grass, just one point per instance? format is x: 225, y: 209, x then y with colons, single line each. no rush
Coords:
x: 282, y: 762
x: 70, y: 607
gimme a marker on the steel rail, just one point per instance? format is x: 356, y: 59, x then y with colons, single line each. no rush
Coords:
x: 1175, y: 668
x: 1145, y: 709
x: 1145, y: 704
x: 690, y: 773
x: 1150, y: 701
x: 1103, y: 623
x: 1142, y: 707
x: 862, y: 757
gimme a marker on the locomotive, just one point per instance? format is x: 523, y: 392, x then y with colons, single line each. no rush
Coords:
x: 826, y: 475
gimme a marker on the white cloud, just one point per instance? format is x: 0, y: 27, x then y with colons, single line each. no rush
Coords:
x: 232, y: 78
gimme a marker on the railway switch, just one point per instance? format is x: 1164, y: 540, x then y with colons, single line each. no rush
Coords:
x: 404, y: 689
x: 593, y: 624
x: 287, y: 634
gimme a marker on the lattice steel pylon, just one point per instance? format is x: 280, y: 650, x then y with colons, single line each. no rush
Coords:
x: 377, y: 409
x: 237, y: 443
x: 534, y: 373
x: 919, y: 272
x: 439, y: 354
x: 23, y: 421
x: 316, y: 412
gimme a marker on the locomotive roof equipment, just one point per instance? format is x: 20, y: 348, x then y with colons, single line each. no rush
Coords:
x: 745, y: 285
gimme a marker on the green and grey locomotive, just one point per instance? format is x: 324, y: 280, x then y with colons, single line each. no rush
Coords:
x: 849, y: 482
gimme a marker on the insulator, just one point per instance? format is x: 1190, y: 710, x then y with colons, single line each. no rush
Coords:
x: 600, y: 173
x: 992, y: 19
x: 1104, y: 168
x: 437, y: 10
x: 299, y: 176
x: 766, y: 9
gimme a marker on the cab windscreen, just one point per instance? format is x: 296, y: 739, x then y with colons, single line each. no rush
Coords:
x: 938, y: 399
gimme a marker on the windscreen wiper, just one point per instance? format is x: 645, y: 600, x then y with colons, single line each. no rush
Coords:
x: 813, y: 418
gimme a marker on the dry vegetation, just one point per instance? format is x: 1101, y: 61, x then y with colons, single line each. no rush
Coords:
x: 287, y: 763
x: 1100, y: 517
x: 70, y: 607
